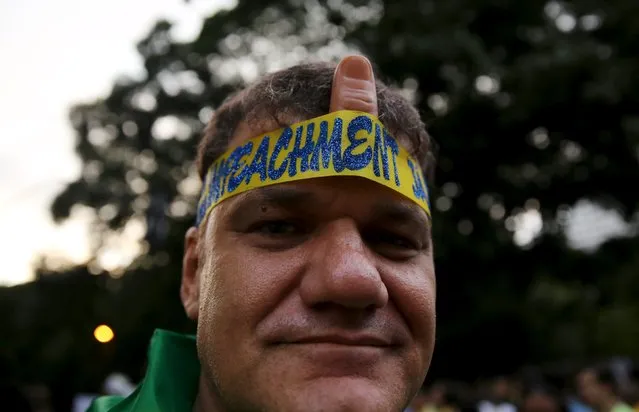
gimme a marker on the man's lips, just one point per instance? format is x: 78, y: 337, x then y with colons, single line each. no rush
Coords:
x: 348, y: 339
x: 378, y: 332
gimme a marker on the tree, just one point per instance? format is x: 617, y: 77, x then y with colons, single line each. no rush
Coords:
x: 534, y: 109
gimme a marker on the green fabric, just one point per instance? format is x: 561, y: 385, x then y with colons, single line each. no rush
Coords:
x: 171, y: 380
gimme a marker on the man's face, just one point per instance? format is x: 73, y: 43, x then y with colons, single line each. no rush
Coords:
x: 316, y: 295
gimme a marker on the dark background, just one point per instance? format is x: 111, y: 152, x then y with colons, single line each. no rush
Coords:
x: 534, y: 106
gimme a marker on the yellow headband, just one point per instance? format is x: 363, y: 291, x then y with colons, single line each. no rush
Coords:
x: 344, y: 143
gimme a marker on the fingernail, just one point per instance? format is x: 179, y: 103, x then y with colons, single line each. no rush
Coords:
x: 357, y: 67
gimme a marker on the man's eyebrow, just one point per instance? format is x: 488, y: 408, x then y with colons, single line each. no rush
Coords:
x: 289, y: 197
x: 295, y: 198
x: 276, y: 196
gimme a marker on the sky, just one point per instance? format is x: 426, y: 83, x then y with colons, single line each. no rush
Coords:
x: 55, y: 54
x: 58, y: 53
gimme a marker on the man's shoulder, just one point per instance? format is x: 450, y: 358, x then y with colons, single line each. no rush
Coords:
x: 170, y: 355
x: 109, y: 404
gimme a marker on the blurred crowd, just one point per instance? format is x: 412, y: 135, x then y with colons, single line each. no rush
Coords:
x: 38, y: 398
x: 592, y: 389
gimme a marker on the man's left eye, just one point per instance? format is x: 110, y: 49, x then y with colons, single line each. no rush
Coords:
x: 389, y: 239
x: 399, y: 241
x: 277, y: 227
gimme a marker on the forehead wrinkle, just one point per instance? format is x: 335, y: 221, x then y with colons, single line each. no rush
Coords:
x: 322, y: 197
x: 286, y: 196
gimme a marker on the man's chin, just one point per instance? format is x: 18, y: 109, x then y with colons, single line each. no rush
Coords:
x: 346, y: 393
x: 325, y: 378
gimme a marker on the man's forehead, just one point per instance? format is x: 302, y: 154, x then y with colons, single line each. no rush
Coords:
x: 322, y: 194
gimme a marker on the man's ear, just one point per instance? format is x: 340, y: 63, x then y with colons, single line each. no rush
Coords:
x: 190, y: 287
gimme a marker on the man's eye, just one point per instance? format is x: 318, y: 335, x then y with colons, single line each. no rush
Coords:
x: 392, y: 240
x: 276, y: 227
x: 397, y: 241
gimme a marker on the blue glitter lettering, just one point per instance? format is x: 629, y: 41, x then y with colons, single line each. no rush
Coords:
x: 390, y: 142
x: 301, y: 152
x: 326, y: 148
x: 201, y: 210
x: 418, y: 185
x: 258, y: 165
x: 308, y: 147
x: 238, y: 165
x: 218, y: 181
x: 358, y: 161
x: 425, y: 186
x: 380, y: 149
x: 202, y: 204
x: 282, y: 143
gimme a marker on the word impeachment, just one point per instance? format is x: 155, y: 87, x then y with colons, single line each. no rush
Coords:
x: 344, y: 143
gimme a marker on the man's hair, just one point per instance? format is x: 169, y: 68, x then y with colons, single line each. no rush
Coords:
x: 304, y: 91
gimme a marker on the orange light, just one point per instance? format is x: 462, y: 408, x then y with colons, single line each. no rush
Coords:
x: 103, y: 334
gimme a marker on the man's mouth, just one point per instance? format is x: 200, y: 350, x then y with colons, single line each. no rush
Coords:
x: 347, y: 339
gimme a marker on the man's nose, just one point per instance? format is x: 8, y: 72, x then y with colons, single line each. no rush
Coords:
x: 342, y: 271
